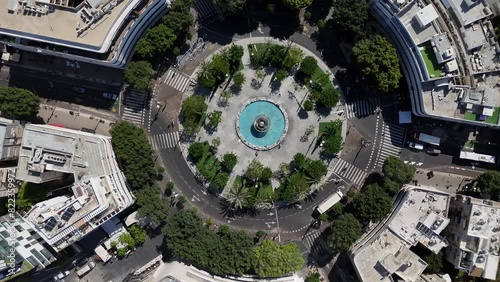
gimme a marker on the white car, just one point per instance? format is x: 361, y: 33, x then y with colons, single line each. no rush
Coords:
x: 416, y: 146
x: 61, y: 275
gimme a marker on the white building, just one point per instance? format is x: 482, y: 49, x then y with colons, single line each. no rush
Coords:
x: 98, y: 194
x: 449, y: 56
x: 474, y: 235
x: 29, y: 253
x: 101, y: 32
x: 11, y: 132
x: 419, y: 215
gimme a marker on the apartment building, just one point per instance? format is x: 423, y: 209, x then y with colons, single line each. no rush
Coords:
x: 474, y: 233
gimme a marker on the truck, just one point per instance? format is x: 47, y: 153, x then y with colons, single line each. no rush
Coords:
x: 84, y: 269
x: 329, y: 202
x: 426, y: 138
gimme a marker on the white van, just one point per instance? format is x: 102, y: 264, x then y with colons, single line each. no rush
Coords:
x: 416, y: 146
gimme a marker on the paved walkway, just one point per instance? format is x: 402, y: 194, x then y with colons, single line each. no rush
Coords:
x: 289, y: 95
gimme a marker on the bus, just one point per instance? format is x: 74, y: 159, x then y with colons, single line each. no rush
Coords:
x: 329, y: 202
x: 426, y: 138
x: 477, y: 157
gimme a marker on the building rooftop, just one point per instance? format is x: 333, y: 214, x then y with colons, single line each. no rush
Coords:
x: 89, y: 26
x: 99, y: 191
x: 11, y: 132
x: 469, y: 11
x: 418, y: 216
x: 412, y: 15
x: 442, y: 48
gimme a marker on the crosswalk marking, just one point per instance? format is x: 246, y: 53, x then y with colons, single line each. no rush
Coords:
x: 349, y: 172
x: 315, y: 242
x: 361, y: 108
x: 205, y: 9
x: 177, y: 80
x: 391, y: 143
x: 164, y: 140
x: 134, y: 107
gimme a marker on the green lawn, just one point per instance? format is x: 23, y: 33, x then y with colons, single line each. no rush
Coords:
x: 470, y: 116
x: 492, y: 119
x: 430, y: 61
x: 319, y: 76
x: 324, y: 125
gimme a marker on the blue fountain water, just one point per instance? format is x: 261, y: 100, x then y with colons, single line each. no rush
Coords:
x: 275, y: 116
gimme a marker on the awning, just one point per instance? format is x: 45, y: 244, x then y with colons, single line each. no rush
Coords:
x: 404, y: 117
x: 102, y: 253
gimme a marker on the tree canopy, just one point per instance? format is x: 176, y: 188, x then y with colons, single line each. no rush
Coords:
x: 152, y: 205
x: 372, y: 204
x: 378, y: 61
x: 165, y: 39
x: 397, y: 171
x: 192, y: 109
x: 225, y: 252
x: 139, y: 74
x: 197, y: 149
x: 230, y: 7
x: 350, y: 16
x: 254, y: 170
x: 17, y: 103
x: 138, y: 234
x: 134, y: 152
x: 489, y: 182
x: 274, y: 260
x: 229, y: 160
x: 297, y: 4
x: 307, y: 67
x: 345, y: 231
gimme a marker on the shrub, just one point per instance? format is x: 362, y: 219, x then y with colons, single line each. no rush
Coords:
x: 308, y: 105
x: 307, y: 67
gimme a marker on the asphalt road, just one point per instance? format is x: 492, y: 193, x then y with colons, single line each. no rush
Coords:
x: 56, y: 87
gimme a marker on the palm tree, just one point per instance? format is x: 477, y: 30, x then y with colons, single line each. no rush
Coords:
x: 238, y: 196
x: 224, y: 52
x: 205, y: 71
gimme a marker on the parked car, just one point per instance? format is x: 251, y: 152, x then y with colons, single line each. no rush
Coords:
x: 61, y: 275
x: 80, y: 262
x: 416, y: 146
x: 433, y: 151
x: 77, y: 89
x: 84, y: 269
x: 109, y: 96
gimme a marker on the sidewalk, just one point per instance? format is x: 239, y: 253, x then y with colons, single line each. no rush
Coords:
x: 446, y: 182
x: 101, y: 123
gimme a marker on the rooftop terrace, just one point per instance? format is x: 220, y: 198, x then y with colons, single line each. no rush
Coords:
x: 99, y: 191
x: 90, y: 26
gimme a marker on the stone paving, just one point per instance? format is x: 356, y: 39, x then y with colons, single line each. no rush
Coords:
x: 289, y: 95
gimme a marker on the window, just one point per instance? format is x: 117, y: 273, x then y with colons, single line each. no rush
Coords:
x: 27, y: 245
x: 19, y: 228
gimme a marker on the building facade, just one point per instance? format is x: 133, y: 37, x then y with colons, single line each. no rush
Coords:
x: 11, y: 133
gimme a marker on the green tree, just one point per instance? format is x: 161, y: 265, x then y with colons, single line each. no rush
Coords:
x: 235, y: 53
x: 284, y: 169
x: 300, y: 162
x: 335, y: 211
x: 396, y: 170
x: 138, y: 234
x: 260, y: 234
x: 17, y: 103
x: 316, y: 170
x: 295, y: 187
x: 170, y: 185
x: 307, y: 67
x: 214, y: 118
x: 313, y: 277
x: 134, y: 152
x: 152, y: 205
x: 378, y: 61
x: 220, y: 69
x: 239, y: 79
x: 297, y: 4
x: 229, y: 160
x: 345, y: 231
x: 192, y: 109
x: 254, y: 170
x: 238, y: 196
x: 372, y: 205
x: 182, y: 200
x: 220, y: 181
x: 121, y: 252
x: 216, y: 143
x: 274, y: 260
x: 139, y: 74
x: 350, y: 16
x: 489, y: 182
x: 308, y: 105
x: 328, y: 97
x: 266, y: 174
x: 280, y: 75
x: 158, y: 41
x: 435, y: 263
x: 333, y: 144
x: 126, y: 239
x: 390, y: 186
x: 197, y: 149
x: 230, y: 7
